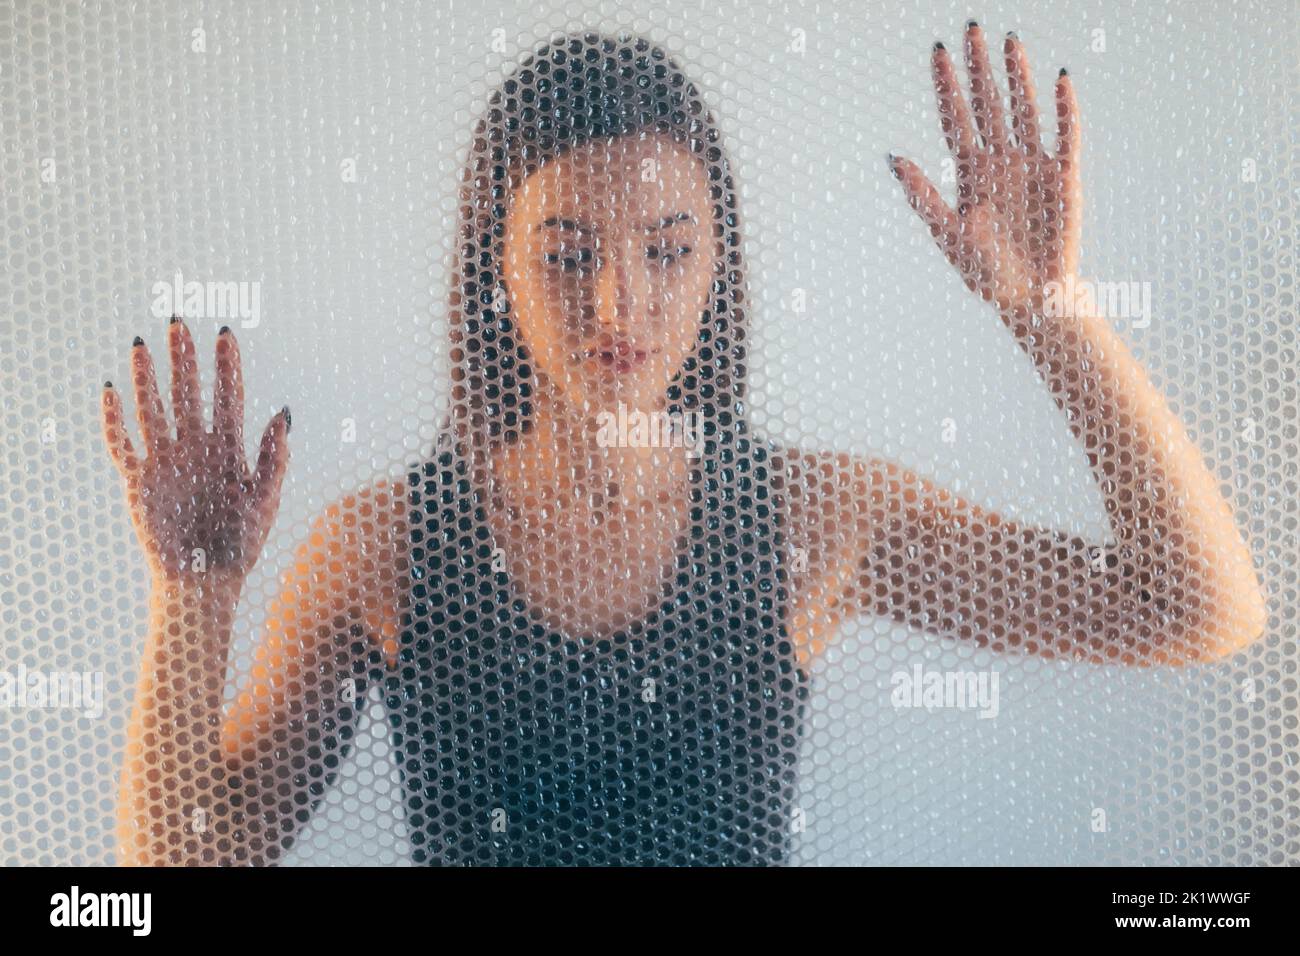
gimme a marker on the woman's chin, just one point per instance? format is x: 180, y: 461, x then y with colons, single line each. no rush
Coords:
x: 612, y: 389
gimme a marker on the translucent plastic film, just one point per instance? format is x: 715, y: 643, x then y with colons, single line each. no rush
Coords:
x: 678, y: 433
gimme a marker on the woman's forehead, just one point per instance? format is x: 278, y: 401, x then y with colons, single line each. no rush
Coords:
x: 648, y: 177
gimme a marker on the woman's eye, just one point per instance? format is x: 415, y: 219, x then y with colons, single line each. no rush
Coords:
x: 667, y: 255
x: 570, y: 260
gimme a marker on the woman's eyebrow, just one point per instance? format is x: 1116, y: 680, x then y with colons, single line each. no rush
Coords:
x: 571, y: 225
x: 568, y: 225
x: 672, y: 220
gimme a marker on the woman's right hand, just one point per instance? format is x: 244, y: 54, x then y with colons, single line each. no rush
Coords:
x: 199, y: 513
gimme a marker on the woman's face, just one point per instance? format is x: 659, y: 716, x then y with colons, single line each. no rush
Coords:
x: 609, y: 257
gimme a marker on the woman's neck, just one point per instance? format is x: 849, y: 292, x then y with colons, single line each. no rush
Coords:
x: 602, y: 454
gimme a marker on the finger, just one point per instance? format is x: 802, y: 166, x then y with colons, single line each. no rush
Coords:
x: 228, y: 394
x: 1067, y: 157
x: 944, y: 225
x: 119, y: 444
x: 1024, y: 109
x: 149, y: 409
x: 954, y: 114
x: 186, y: 400
x: 986, y: 98
x: 272, y: 461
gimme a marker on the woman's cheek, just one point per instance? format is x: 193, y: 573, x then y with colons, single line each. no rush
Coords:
x: 691, y: 300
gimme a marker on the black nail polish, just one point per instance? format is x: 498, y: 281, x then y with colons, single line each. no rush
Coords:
x: 223, y: 330
x: 938, y: 45
x: 1011, y: 35
x: 108, y: 384
x: 173, y: 320
x: 971, y: 24
x: 1063, y: 72
x: 137, y: 341
x: 288, y: 419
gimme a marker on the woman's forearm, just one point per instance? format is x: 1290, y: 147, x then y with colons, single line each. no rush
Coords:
x: 182, y: 800
x: 1176, y: 544
x: 166, y: 810
x: 204, y: 786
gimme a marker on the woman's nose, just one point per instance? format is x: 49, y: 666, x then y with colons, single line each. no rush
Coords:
x: 622, y: 289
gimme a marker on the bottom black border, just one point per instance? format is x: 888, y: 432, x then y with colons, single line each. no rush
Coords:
x: 657, y: 907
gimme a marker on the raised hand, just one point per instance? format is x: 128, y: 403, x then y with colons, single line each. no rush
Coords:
x: 199, y: 513
x: 1016, y: 225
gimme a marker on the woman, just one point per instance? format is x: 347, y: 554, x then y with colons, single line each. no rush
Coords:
x: 596, y: 651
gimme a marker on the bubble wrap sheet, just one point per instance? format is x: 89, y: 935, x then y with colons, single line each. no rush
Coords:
x: 660, y: 486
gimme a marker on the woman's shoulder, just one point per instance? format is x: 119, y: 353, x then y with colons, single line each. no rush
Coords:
x: 377, y: 506
x: 353, y: 560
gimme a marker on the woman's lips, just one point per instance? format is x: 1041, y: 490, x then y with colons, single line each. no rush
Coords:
x: 621, y: 356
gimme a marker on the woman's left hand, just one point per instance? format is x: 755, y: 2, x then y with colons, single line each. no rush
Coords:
x: 1016, y: 226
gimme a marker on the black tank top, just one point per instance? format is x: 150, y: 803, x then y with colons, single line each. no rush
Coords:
x: 674, y: 741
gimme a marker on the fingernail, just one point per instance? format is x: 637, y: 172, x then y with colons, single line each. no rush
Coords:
x: 288, y: 419
x: 893, y: 165
x: 1012, y: 35
x: 137, y: 341
x: 108, y: 384
x: 971, y: 24
x: 173, y: 320
x: 223, y: 330
x: 1063, y: 72
x: 938, y: 45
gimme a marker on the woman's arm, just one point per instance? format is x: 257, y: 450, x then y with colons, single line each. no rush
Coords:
x: 171, y: 794
x: 329, y: 634
x: 1174, y: 582
x: 199, y: 786
x: 206, y: 785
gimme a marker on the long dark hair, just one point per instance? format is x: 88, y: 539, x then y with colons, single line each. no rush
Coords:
x: 576, y: 88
